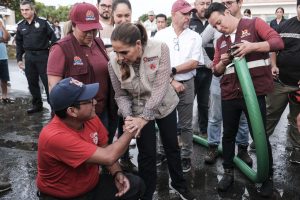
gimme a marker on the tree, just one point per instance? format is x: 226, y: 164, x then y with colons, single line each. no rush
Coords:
x: 49, y: 12
x: 13, y: 5
x: 143, y: 18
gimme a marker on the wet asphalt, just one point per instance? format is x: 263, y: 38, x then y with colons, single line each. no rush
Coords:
x: 18, y: 157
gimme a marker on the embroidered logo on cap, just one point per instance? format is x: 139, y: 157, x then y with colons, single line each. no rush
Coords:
x: 90, y: 16
x: 76, y: 82
x: 77, y: 61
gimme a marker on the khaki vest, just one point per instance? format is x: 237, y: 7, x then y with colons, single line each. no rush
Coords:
x: 139, y: 86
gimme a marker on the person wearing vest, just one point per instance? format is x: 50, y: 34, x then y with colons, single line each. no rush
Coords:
x: 253, y: 39
x: 215, y: 119
x: 82, y: 56
x: 140, y: 72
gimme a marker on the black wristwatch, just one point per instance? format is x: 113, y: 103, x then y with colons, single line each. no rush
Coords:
x: 174, y: 71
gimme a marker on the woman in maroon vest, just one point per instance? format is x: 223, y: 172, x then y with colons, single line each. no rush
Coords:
x: 82, y: 56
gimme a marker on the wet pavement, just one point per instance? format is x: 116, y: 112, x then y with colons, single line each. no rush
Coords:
x: 18, y: 144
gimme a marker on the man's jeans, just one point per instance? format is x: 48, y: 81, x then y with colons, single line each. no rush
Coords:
x: 215, y: 118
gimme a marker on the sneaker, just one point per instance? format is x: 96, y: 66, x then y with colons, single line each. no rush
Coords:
x: 160, y: 158
x: 266, y: 190
x: 4, y: 186
x: 211, y: 155
x: 184, y: 194
x: 226, y: 181
x: 128, y: 166
x: 186, y: 164
x: 243, y: 154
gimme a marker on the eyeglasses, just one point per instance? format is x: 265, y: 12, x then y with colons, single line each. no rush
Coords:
x: 176, y: 44
x: 228, y: 4
x: 104, y: 6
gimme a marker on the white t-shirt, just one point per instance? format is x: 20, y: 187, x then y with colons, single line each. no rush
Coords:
x: 187, y: 46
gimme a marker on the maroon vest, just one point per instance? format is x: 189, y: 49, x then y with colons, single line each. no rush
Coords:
x: 78, y: 67
x: 261, y: 76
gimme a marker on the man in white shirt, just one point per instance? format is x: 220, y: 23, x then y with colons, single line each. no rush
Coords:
x: 150, y: 24
x: 185, y: 54
x: 105, y: 19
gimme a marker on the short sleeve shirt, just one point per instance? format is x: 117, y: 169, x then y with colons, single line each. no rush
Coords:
x: 62, y: 152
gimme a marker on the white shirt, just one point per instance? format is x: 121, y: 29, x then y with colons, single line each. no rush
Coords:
x: 150, y: 26
x: 189, y: 48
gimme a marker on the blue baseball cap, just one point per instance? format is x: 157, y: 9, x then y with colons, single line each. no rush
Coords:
x: 68, y: 91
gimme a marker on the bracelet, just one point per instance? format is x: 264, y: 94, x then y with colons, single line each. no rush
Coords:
x: 116, y: 173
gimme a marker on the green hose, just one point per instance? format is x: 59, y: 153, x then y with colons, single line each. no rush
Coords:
x: 258, y: 130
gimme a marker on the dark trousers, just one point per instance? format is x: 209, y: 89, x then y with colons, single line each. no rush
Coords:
x: 202, y: 85
x: 109, y: 123
x: 231, y: 111
x: 147, y: 153
x: 106, y: 190
x: 35, y: 67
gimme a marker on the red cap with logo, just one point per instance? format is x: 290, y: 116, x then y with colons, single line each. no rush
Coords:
x: 182, y: 6
x: 85, y: 16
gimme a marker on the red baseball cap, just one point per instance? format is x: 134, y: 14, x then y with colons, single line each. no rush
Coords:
x: 182, y: 6
x: 85, y: 16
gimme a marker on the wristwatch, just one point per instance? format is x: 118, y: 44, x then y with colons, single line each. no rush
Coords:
x: 174, y: 71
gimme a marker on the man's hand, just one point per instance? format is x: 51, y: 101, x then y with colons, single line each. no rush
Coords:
x: 122, y: 184
x: 243, y: 48
x: 21, y: 65
x: 179, y: 87
x: 275, y: 71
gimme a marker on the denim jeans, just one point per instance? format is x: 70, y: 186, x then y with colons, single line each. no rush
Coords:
x: 215, y: 118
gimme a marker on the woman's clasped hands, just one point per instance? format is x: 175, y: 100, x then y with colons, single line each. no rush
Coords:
x: 134, y: 124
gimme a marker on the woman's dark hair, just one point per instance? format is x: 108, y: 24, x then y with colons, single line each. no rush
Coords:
x: 214, y: 7
x: 248, y: 11
x: 128, y: 34
x: 117, y: 2
x: 279, y: 8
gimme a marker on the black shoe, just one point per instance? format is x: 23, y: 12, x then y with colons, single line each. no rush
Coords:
x: 243, y: 155
x: 226, y: 181
x: 4, y: 186
x: 184, y: 194
x: 211, y: 155
x: 160, y: 158
x: 186, y: 164
x: 266, y: 190
x: 128, y: 166
x: 35, y: 109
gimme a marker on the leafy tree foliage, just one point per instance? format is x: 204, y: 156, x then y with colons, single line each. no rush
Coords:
x: 144, y: 18
x: 49, y: 12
